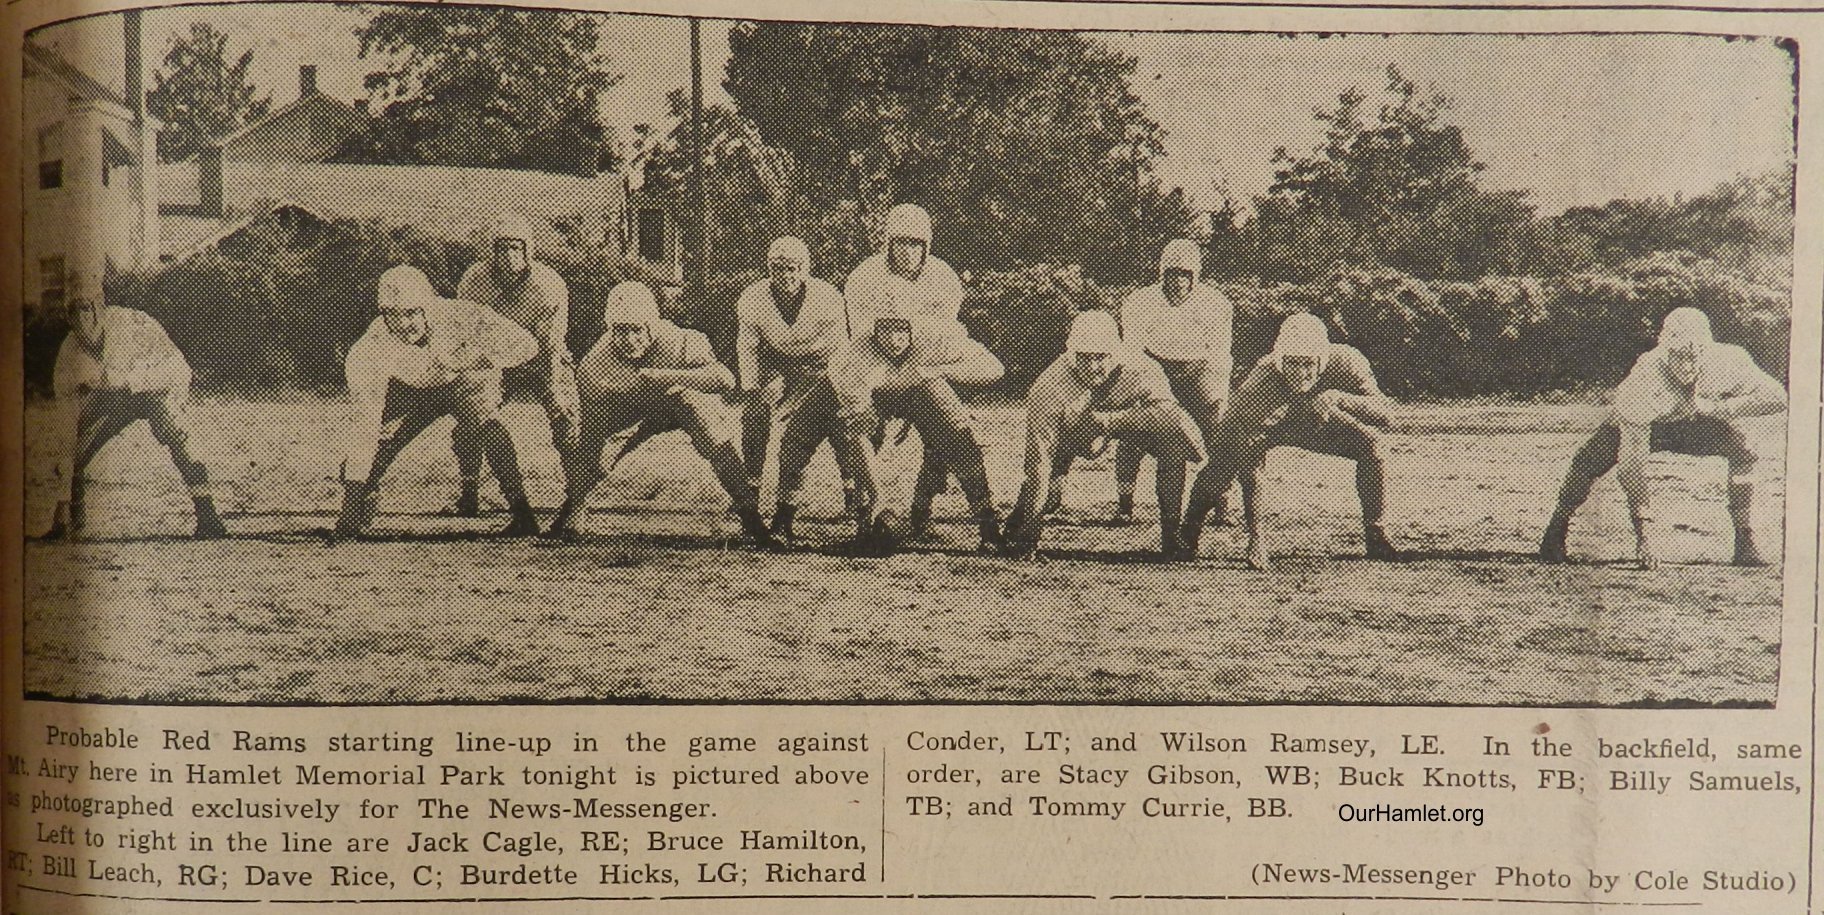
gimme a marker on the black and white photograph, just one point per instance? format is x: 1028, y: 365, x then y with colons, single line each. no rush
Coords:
x: 428, y: 354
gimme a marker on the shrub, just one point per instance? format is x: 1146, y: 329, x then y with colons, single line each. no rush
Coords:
x: 1517, y: 335
x: 275, y: 307
x: 1023, y: 315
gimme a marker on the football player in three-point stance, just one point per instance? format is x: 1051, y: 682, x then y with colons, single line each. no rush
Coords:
x: 650, y: 373
x: 1100, y: 393
x: 117, y: 367
x: 423, y: 358
x: 1685, y: 395
x: 1307, y: 393
x: 907, y: 364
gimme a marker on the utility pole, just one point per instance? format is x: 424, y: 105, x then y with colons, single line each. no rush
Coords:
x: 697, y: 275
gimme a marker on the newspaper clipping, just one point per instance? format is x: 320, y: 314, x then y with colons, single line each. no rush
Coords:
x: 926, y: 456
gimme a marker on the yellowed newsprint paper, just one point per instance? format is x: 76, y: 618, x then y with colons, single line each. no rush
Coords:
x: 924, y: 456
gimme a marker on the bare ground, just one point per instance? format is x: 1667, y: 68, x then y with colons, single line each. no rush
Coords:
x: 656, y: 604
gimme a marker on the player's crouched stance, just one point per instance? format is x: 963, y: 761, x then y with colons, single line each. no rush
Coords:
x: 1100, y: 392
x: 1683, y: 396
x: 1308, y: 393
x: 909, y: 356
x: 115, y: 368
x: 646, y: 371
x: 424, y: 358
x: 907, y: 369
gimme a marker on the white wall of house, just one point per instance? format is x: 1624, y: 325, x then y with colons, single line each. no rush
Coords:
x: 83, y: 209
x: 80, y: 210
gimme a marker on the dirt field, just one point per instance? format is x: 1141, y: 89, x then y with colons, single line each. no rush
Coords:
x: 654, y: 604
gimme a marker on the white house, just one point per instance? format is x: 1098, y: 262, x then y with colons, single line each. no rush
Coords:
x: 288, y: 164
x: 96, y: 195
x: 91, y: 170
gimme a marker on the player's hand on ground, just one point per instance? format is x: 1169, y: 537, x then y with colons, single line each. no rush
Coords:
x: 1644, y: 557
x: 61, y: 528
x: 1257, y: 557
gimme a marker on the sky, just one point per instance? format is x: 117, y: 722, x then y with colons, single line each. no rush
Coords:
x: 1574, y: 120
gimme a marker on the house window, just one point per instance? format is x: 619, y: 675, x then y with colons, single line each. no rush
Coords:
x: 114, y: 154
x: 50, y: 156
x: 652, y: 234
x: 50, y: 282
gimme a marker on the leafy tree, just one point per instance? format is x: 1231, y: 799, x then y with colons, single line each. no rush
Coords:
x: 487, y: 86
x: 1399, y: 190
x: 1744, y: 224
x: 1026, y: 146
x: 199, y: 94
x: 753, y: 190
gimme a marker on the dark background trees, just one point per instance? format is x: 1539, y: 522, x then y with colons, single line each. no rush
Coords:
x: 487, y: 86
x: 1025, y: 146
x: 200, y: 93
x: 1399, y: 187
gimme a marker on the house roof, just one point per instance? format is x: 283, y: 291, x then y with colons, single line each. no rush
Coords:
x: 449, y: 201
x: 45, y: 62
x: 114, y: 151
x: 442, y: 199
x: 314, y: 127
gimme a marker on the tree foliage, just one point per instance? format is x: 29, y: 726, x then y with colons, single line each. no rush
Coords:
x: 487, y: 86
x: 1399, y: 189
x: 1744, y: 224
x: 199, y: 93
x: 1026, y: 146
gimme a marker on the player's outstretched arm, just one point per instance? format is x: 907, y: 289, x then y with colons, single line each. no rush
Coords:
x: 967, y: 364
x: 504, y: 343
x: 710, y: 379
x: 1360, y: 396
x: 72, y: 387
x: 164, y: 370
x: 367, y: 380
x: 1755, y: 393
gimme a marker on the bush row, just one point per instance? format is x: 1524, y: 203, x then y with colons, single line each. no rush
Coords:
x: 1493, y: 336
x: 276, y: 310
